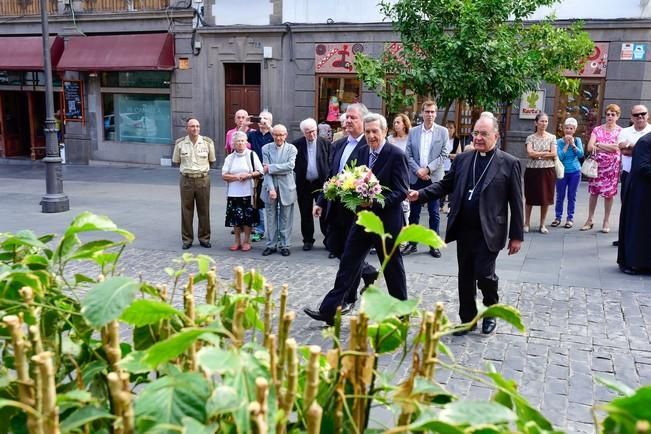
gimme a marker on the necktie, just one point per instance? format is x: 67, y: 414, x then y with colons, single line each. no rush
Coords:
x: 372, y: 158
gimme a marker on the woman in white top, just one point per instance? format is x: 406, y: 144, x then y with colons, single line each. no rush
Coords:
x: 240, y: 170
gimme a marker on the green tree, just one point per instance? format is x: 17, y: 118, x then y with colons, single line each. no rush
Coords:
x: 478, y: 51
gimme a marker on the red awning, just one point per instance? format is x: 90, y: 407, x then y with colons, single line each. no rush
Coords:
x: 143, y: 52
x: 25, y: 53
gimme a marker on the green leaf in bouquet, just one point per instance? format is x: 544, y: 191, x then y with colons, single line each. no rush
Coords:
x: 419, y: 234
x: 371, y: 223
x: 142, y: 312
x: 504, y: 312
x: 107, y: 300
x: 169, y: 399
x: 83, y: 416
x: 378, y: 305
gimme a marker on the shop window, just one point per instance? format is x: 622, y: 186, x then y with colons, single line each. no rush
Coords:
x: 27, y: 78
x: 585, y: 107
x: 334, y: 95
x: 137, y: 118
x: 146, y: 79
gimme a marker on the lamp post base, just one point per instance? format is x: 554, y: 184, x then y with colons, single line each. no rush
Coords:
x: 51, y: 203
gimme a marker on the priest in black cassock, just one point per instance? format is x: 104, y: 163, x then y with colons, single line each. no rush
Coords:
x: 634, y: 254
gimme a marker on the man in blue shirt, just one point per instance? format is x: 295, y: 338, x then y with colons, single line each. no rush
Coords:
x: 258, y: 138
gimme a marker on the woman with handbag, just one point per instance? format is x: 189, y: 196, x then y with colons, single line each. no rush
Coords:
x: 603, y: 143
x: 540, y: 175
x: 240, y: 170
x: 569, y: 149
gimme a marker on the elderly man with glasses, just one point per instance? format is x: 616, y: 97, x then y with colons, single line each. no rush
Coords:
x: 485, y: 185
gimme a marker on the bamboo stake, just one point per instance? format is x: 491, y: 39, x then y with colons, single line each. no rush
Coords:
x: 257, y: 418
x: 314, y: 415
x: 284, y: 327
x: 188, y: 306
x: 261, y: 392
x: 428, y: 345
x: 111, y: 342
x: 312, y: 381
x: 438, y: 314
x: 361, y: 346
x: 50, y: 414
x: 292, y: 375
x: 273, y: 363
x: 339, y: 406
x: 284, y: 292
x: 268, y: 313
x: 240, y: 308
x: 211, y: 286
x: 122, y: 403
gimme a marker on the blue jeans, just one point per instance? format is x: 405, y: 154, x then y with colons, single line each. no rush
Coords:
x: 432, y: 207
x: 570, y: 182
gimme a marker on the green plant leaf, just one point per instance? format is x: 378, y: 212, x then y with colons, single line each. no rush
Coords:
x: 76, y: 395
x: 204, y: 262
x: 370, y: 222
x: 89, y: 222
x: 83, y: 416
x: 143, y: 312
x: 107, y: 300
x: 388, y: 335
x: 472, y: 412
x: 171, y: 348
x: 218, y: 361
x: 420, y: 234
x: 133, y: 363
x: 378, y: 305
x: 502, y: 311
x: 435, y: 391
x: 428, y: 420
x: 223, y: 400
x: 636, y: 405
x: 615, y: 385
x: 82, y: 278
x: 88, y: 250
x: 192, y: 426
x: 171, y: 398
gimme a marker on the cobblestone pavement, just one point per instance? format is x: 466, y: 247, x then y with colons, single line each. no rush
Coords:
x: 584, y: 318
x: 573, y: 334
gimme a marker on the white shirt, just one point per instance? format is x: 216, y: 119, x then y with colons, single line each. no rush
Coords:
x: 312, y: 172
x: 240, y: 163
x: 350, y: 146
x: 425, y: 145
x: 631, y: 135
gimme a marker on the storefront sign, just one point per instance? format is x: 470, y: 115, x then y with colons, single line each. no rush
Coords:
x: 336, y: 58
x: 595, y: 65
x: 633, y: 51
x: 73, y: 96
x: 531, y: 104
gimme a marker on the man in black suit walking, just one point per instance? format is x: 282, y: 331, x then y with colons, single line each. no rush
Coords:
x: 389, y: 164
x: 484, y: 185
x: 311, y: 169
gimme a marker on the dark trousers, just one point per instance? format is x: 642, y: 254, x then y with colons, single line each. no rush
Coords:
x: 622, y: 178
x: 340, y: 221
x: 432, y: 208
x: 476, y: 270
x: 195, y: 191
x: 358, y: 244
x: 307, y: 195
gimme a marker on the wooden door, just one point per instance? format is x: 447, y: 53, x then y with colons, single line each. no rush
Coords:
x: 15, y: 124
x: 241, y: 97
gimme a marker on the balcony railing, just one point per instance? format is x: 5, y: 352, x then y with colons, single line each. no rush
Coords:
x: 16, y: 8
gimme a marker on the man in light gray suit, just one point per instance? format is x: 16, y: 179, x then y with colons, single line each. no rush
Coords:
x: 426, y: 155
x: 278, y: 191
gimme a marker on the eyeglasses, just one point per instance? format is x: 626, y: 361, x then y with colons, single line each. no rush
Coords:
x: 639, y: 115
x: 483, y: 134
x: 611, y: 114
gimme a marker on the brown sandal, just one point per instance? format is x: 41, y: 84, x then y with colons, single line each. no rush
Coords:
x: 555, y: 223
x: 569, y: 224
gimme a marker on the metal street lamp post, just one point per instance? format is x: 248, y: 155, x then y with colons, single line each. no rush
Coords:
x: 54, y: 199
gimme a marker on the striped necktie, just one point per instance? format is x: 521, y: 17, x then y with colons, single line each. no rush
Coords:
x: 372, y: 158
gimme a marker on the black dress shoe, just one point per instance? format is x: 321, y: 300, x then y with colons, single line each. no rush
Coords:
x: 347, y: 307
x: 285, y: 252
x: 630, y: 271
x: 316, y: 315
x: 409, y: 249
x: 268, y: 251
x: 616, y: 243
x: 488, y: 325
x: 331, y: 255
x: 186, y: 246
x: 307, y: 246
x: 205, y: 244
x: 464, y: 332
x: 435, y: 253
x: 370, y: 278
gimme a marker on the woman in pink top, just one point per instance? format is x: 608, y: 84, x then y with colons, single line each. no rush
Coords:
x: 603, y: 143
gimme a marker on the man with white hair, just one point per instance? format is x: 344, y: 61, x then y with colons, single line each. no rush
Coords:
x: 484, y: 187
x: 311, y: 169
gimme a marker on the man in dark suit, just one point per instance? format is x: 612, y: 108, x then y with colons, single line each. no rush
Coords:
x: 311, y: 169
x: 389, y: 165
x: 484, y: 185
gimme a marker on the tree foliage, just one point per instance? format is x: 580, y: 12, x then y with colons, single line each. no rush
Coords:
x: 478, y: 51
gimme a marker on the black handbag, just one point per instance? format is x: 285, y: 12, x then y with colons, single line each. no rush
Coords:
x: 257, y: 188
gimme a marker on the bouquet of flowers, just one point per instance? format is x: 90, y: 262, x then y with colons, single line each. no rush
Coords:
x: 355, y: 186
